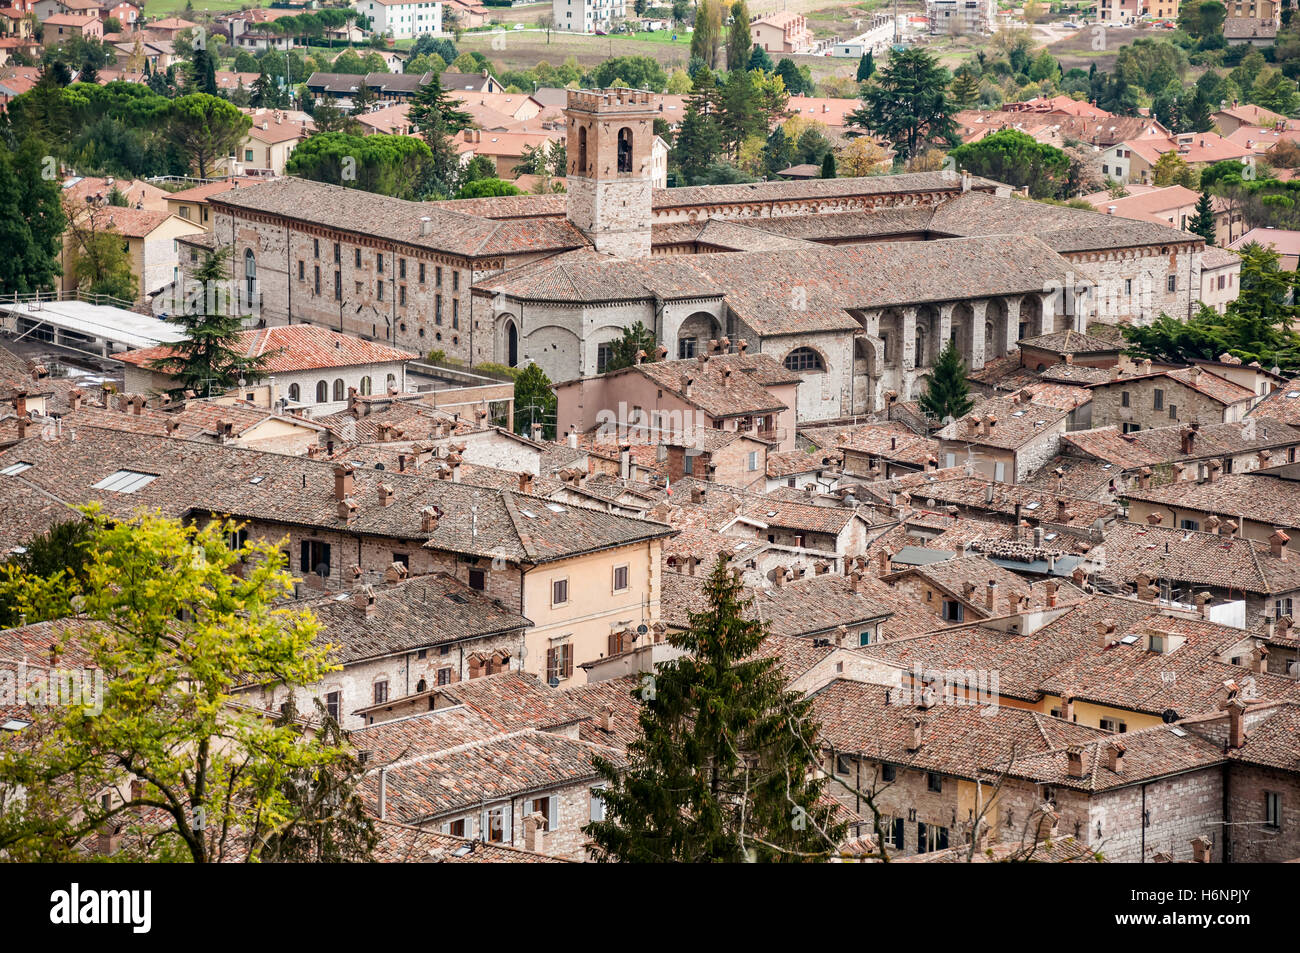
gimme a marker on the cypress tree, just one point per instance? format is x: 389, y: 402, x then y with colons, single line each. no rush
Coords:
x: 1202, y: 223
x: 947, y: 394
x: 866, y: 66
x: 722, y: 768
x: 828, y: 166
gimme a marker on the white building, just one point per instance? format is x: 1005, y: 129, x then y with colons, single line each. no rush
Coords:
x: 402, y: 19
x: 587, y: 16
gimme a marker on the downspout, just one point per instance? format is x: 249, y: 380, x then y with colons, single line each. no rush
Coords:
x: 1144, y: 825
x: 1227, y: 827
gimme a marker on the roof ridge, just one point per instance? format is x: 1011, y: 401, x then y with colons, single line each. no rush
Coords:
x: 512, y: 511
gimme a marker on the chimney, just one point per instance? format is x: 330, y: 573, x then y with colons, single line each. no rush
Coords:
x: 573, y: 440
x: 75, y: 397
x: 525, y: 482
x: 1074, y: 755
x: 1261, y: 659
x: 1105, y: 632
x: 882, y: 561
x: 22, y: 426
x: 347, y: 509
x: 533, y: 825
x: 1154, y: 519
x: 625, y: 461
x: 991, y: 594
x: 687, y: 381
x: 1051, y: 594
x: 1203, y: 604
x: 1115, y: 756
x: 426, y: 226
x: 343, y: 481
x: 364, y: 601
x: 1236, y: 721
x: 1110, y: 210
x: 429, y: 517
x: 396, y: 572
x: 1277, y: 543
x: 607, y: 717
x: 20, y: 404
x: 385, y: 494
x: 1202, y: 847
x: 918, y: 739
x: 1144, y: 590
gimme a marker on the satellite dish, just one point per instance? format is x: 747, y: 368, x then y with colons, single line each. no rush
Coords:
x: 642, y: 629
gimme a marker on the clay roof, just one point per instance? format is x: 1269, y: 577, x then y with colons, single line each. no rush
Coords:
x: 1253, y: 496
x: 1017, y: 423
x: 1204, y: 559
x: 294, y: 347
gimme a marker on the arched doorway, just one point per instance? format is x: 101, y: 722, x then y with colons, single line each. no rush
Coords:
x: 512, y: 343
x: 694, y: 334
x: 995, y: 330
x: 250, y: 279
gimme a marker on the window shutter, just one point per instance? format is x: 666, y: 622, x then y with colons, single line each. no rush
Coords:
x: 507, y: 836
x: 552, y: 812
x: 551, y: 667
x: 568, y: 661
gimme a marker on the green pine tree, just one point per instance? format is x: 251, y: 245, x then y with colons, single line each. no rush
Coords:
x: 209, y: 354
x: 438, y: 117
x: 828, y: 166
x: 739, y: 42
x: 866, y: 66
x: 1202, y: 223
x: 534, y: 402
x: 947, y: 394
x: 723, y: 767
x: 623, y: 352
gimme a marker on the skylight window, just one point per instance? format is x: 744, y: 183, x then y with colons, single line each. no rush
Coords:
x: 1292, y: 394
x: 257, y: 479
x: 555, y: 507
x: 1018, y: 413
x: 1032, y: 505
x: 1178, y: 732
x: 14, y: 724
x: 16, y: 468
x: 1128, y: 640
x: 529, y: 513
x: 125, y: 481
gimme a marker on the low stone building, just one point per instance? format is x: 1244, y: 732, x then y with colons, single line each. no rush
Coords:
x: 1159, y: 398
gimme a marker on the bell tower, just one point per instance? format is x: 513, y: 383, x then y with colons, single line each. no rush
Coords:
x: 609, y: 139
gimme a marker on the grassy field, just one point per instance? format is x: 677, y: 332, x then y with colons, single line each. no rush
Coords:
x: 158, y: 8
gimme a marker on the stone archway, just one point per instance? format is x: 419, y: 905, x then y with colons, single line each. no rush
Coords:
x: 694, y: 334
x: 995, y: 333
x: 963, y: 330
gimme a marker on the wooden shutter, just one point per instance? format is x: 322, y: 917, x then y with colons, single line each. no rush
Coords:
x: 552, y: 669
x: 568, y: 661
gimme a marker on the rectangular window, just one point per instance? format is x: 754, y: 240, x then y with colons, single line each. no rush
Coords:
x: 401, y: 295
x: 1273, y: 810
x: 455, y: 312
x: 888, y: 772
x: 934, y: 782
x: 456, y: 828
x: 437, y: 277
x: 597, y: 806
x: 753, y: 460
x: 379, y: 290
x: 1158, y: 399
x: 379, y: 262
x: 421, y: 272
x: 315, y: 557
x: 401, y: 268
x: 1189, y: 524
x: 437, y: 309
x: 559, y: 662
x: 315, y: 247
x: 864, y: 638
x: 842, y: 765
x: 317, y: 281
x: 559, y: 592
x: 334, y: 704
x: 478, y: 579
x: 544, y: 806
x: 620, y: 578
x: 953, y: 610
x: 1172, y: 283
x: 381, y: 692
x: 358, y: 251
x: 444, y: 676
x: 338, y: 253
x: 1123, y: 398
x: 455, y: 280
x: 495, y: 828
x: 1000, y: 471
x: 302, y: 266
x: 1173, y: 411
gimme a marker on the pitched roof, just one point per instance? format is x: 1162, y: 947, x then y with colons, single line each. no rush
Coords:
x: 1014, y: 424
x: 293, y: 347
x: 1254, y: 496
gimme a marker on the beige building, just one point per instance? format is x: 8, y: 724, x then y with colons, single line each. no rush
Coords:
x: 274, y: 135
x: 192, y: 204
x: 782, y: 32
x: 151, y: 240
x: 1162, y: 398
x: 1004, y: 439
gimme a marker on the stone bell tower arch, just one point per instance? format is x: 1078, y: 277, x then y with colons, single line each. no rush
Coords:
x: 609, y: 139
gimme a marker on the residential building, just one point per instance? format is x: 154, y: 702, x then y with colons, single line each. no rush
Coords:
x: 402, y: 19
x: 1160, y: 398
x: 587, y: 16
x: 1003, y: 439
x: 961, y: 17
x: 782, y: 32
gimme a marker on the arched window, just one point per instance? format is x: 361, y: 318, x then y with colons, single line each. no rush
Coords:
x: 625, y: 150
x: 322, y: 392
x: 920, y: 345
x: 250, y: 278
x: 365, y: 386
x: 804, y: 359
x: 294, y: 393
x: 582, y: 151
x: 338, y: 389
